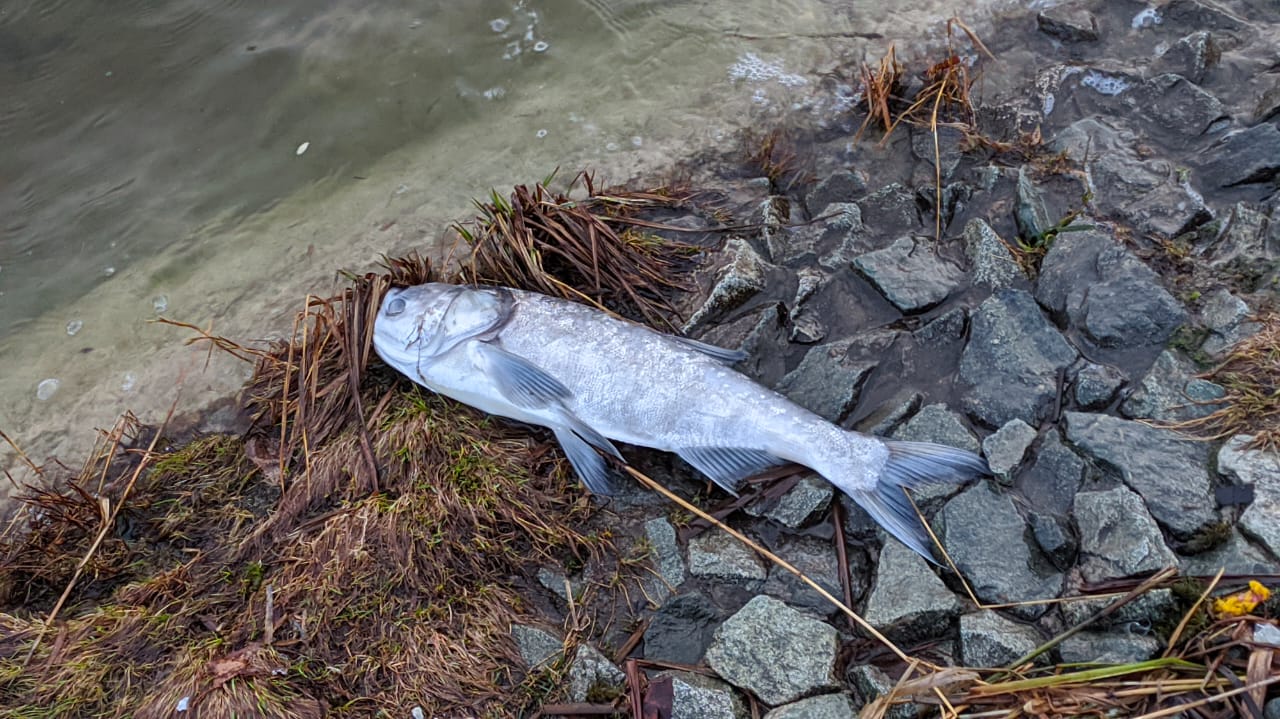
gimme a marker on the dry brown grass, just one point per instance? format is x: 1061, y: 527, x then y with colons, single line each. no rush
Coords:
x: 359, y: 551
x: 1250, y: 373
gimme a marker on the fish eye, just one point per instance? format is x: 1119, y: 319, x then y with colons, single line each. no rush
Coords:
x: 395, y: 307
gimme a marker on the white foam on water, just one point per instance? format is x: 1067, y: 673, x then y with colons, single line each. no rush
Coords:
x: 73, y: 327
x: 1104, y: 84
x: 1149, y: 17
x: 47, y: 389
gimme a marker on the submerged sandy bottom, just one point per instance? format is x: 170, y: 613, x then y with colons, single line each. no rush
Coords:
x: 629, y: 91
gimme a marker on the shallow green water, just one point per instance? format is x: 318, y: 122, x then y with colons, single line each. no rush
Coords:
x: 215, y: 161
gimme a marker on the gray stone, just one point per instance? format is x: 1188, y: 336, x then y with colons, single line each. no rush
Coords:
x: 1191, y: 56
x: 592, y: 671
x: 1261, y: 520
x: 1169, y: 393
x: 891, y: 413
x: 774, y: 651
x: 1227, y: 318
x: 740, y: 280
x: 872, y: 683
x: 1010, y: 368
x: 1100, y: 648
x: 824, y: 706
x: 1147, y: 193
x: 1138, y: 615
x: 666, y: 551
x: 1248, y: 243
x: 680, y: 631
x: 558, y: 584
x: 1169, y: 471
x: 989, y: 640
x: 1005, y: 448
x: 1118, y: 537
x: 830, y: 377
x: 945, y: 147
x: 537, y: 647
x: 1096, y: 385
x: 1031, y: 212
x: 1054, y: 477
x: 890, y: 209
x: 986, y: 537
x: 1068, y: 24
x: 717, y: 555
x: 1178, y: 104
x: 1102, y: 288
x: 937, y: 423
x: 993, y: 263
x: 840, y: 238
x: 811, y: 495
x: 1234, y: 556
x: 947, y: 327
x: 910, y: 274
x: 908, y: 601
x: 839, y: 186
x: 816, y: 558
x: 1054, y: 539
x: 696, y: 696
x: 1243, y: 157
x: 807, y: 327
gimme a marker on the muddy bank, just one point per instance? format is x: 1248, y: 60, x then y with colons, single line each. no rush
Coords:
x: 1106, y: 233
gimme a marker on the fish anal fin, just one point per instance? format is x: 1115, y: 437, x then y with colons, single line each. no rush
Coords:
x: 729, y: 466
x: 590, y: 466
x: 521, y: 381
x: 720, y: 353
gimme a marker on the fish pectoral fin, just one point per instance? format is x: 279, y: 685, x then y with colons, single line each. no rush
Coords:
x: 720, y: 353
x: 520, y: 381
x: 729, y: 466
x: 590, y: 466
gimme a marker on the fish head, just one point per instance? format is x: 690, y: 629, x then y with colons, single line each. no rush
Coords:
x: 416, y: 324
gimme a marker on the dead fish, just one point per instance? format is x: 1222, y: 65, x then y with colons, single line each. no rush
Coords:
x: 592, y: 378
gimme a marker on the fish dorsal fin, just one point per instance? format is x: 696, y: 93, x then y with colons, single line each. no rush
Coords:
x: 720, y: 353
x: 471, y: 313
x: 728, y: 466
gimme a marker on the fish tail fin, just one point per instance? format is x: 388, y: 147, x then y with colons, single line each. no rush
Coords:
x: 912, y: 465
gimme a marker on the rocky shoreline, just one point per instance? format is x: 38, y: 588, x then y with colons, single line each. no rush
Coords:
x: 1058, y: 326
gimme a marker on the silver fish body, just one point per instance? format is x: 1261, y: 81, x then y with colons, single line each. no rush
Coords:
x: 592, y: 378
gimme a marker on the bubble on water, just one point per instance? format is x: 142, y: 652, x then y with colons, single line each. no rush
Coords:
x: 46, y: 389
x: 540, y: 133
x: 415, y: 24
x: 1146, y: 18
x: 302, y: 148
x: 494, y: 93
x: 160, y: 303
x: 108, y: 271
x: 73, y: 327
x: 637, y: 141
x: 540, y: 46
x: 1104, y: 84
x: 752, y: 68
x: 130, y: 381
x: 499, y: 24
x: 611, y: 147
x: 513, y: 49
